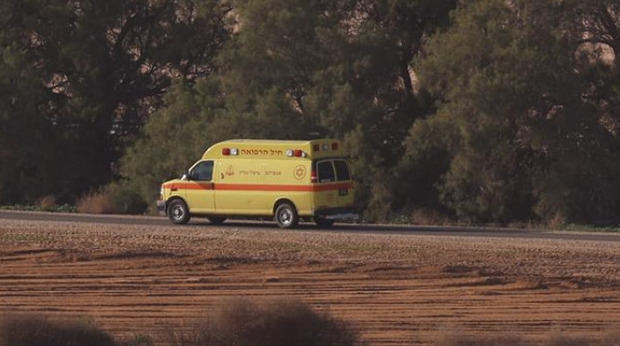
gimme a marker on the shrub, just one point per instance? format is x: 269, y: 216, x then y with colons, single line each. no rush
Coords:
x: 423, y: 216
x: 28, y: 330
x: 96, y: 202
x: 125, y: 198
x: 116, y: 198
x: 272, y: 323
x: 46, y: 202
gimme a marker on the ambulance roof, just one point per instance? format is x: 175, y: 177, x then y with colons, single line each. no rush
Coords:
x: 275, y: 149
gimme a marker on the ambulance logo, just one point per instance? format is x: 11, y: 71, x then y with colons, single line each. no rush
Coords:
x: 300, y: 172
x: 230, y: 171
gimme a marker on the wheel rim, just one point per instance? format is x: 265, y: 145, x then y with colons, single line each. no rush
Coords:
x: 285, y: 216
x: 178, y: 212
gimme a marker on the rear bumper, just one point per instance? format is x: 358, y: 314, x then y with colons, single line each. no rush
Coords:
x: 342, y: 214
x: 161, y: 207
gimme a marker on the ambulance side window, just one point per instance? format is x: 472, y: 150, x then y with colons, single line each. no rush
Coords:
x: 342, y: 171
x: 203, y: 171
x: 326, y: 171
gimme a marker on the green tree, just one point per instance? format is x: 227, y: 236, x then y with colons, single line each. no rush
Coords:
x: 301, y: 69
x: 515, y: 135
x: 102, y: 67
x: 174, y: 137
x: 26, y: 146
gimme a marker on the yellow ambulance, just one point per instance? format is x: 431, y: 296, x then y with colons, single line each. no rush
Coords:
x: 283, y: 180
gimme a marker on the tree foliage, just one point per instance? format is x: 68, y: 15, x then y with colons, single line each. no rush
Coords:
x: 518, y: 101
x: 485, y: 110
x: 83, y: 76
x: 303, y: 69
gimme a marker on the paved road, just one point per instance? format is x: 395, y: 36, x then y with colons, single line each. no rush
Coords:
x: 342, y: 228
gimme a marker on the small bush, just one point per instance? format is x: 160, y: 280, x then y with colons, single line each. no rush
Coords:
x: 423, y: 216
x: 126, y: 200
x: 274, y: 323
x: 116, y: 198
x: 28, y: 330
x: 96, y: 202
x: 46, y: 203
x: 557, y: 221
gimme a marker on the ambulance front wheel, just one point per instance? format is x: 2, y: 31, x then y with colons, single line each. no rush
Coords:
x: 178, y: 212
x: 286, y: 216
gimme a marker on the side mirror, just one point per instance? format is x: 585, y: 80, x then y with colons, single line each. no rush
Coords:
x: 185, y: 176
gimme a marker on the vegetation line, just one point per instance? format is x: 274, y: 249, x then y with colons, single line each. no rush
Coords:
x: 475, y: 111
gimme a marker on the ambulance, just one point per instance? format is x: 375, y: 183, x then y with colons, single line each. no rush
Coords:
x: 288, y: 181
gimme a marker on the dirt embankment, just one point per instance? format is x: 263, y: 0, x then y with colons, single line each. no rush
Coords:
x: 397, y: 289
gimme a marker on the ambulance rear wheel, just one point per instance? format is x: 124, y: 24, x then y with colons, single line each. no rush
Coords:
x: 323, y: 223
x: 178, y: 212
x: 216, y: 220
x: 286, y: 216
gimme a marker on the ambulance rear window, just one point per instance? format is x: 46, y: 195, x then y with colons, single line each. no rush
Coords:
x: 326, y: 172
x: 342, y: 171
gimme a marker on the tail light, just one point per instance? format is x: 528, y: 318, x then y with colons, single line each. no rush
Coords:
x: 313, y: 178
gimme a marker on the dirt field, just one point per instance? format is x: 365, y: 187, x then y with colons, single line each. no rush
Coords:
x: 397, y: 289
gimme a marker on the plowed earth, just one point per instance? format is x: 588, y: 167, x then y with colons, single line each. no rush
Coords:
x: 396, y: 289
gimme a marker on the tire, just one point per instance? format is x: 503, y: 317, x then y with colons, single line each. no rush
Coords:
x: 286, y: 216
x: 178, y: 212
x: 323, y: 223
x: 216, y: 220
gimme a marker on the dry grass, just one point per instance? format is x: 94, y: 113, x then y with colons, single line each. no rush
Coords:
x: 111, y: 199
x: 611, y: 338
x: 46, y: 202
x: 424, y: 216
x: 30, y: 330
x: 242, y: 322
x: 96, y: 202
x: 557, y: 221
